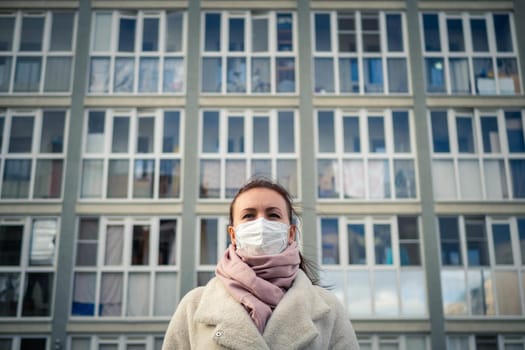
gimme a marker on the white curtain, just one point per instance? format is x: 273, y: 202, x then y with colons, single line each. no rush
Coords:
x: 149, y: 75
x: 354, y: 179
x: 495, y: 179
x: 470, y: 179
x: 102, y: 37
x: 459, y: 76
x: 99, y: 75
x: 27, y: 77
x: 378, y: 179
x: 138, y: 294
x: 444, y: 179
x: 84, y: 291
x: 165, y: 287
x: 114, y: 245
x: 124, y: 75
x: 92, y: 178
x: 111, y: 294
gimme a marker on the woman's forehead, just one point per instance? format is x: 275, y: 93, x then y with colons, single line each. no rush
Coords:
x: 260, y: 197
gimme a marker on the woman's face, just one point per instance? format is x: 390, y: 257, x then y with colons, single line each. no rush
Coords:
x: 260, y: 203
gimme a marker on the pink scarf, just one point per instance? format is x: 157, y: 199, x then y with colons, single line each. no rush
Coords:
x: 258, y: 282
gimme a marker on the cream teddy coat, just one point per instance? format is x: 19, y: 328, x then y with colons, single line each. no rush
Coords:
x: 308, y: 317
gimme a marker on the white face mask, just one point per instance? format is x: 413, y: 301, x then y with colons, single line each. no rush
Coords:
x: 262, y: 237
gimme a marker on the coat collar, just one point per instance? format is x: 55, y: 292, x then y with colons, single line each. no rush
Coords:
x: 234, y: 328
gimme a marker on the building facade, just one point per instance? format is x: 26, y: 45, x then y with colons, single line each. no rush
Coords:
x: 126, y: 127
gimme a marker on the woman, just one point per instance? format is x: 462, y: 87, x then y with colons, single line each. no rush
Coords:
x: 261, y: 297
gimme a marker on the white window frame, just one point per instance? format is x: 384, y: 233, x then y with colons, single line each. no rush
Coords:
x: 149, y: 341
x: 222, y: 239
x: 375, y: 340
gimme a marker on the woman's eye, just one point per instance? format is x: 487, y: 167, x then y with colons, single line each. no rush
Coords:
x: 247, y: 216
x: 275, y: 216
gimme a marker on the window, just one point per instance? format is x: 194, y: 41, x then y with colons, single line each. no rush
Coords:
x: 39, y: 58
x: 213, y: 240
x: 27, y: 342
x: 33, y: 154
x: 238, y: 144
x: 481, y: 269
x: 110, y: 342
x: 132, y: 154
x: 393, y: 342
x: 125, y: 266
x: 478, y: 155
x: 348, y: 43
x: 27, y: 266
x: 470, y: 54
x: 365, y: 155
x: 485, y: 342
x: 249, y: 53
x: 137, y: 52
x: 374, y: 265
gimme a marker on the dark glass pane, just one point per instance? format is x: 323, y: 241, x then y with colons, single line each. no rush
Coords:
x: 286, y: 132
x: 236, y: 135
x: 140, y: 247
x: 62, y: 31
x: 21, y: 135
x: 356, y: 244
x: 325, y: 131
x: 38, y: 294
x: 517, y: 169
x: 383, y: 245
x: 212, y: 36
x: 503, y: 33
x: 10, y: 244
x: 394, y: 30
x: 502, y: 244
x: 440, y: 136
x: 52, y: 139
x: 477, y: 250
x: 150, y: 34
x: 376, y: 135
x: 284, y: 32
x: 7, y: 26
x: 465, y: 135
x: 455, y: 35
x: 435, y: 75
x: 33, y: 344
x: 450, y: 246
x: 167, y: 238
x: 401, y: 131
x: 431, y: 32
x: 322, y: 32
x: 32, y: 33
x: 478, y: 30
x: 352, y: 140
x: 236, y: 38
x: 170, y: 140
x: 209, y: 242
x: 515, y: 135
x: 120, y: 142
x: 210, y: 132
x: 126, y: 40
x: 10, y: 292
x: 330, y: 241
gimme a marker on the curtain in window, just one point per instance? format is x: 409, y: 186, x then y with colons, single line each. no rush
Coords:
x: 5, y: 73
x: 173, y: 75
x: 373, y: 72
x: 114, y: 245
x: 495, y: 179
x: 84, y: 294
x: 379, y: 179
x: 444, y: 179
x: 459, y: 75
x: 111, y: 294
x: 99, y: 75
x: 58, y: 74
x: 138, y: 294
x: 353, y: 179
x: 210, y: 179
x: 165, y: 287
x: 327, y: 178
x: 124, y: 75
x: 470, y: 179
x: 17, y: 174
x: 27, y: 76
x: 148, y: 75
x: 92, y: 179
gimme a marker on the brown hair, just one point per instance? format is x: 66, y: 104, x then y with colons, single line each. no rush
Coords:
x: 309, y: 267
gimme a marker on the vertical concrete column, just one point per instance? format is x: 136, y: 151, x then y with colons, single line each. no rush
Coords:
x: 307, y: 173
x: 190, y: 160
x: 429, y: 233
x: 64, y: 273
x: 519, y: 12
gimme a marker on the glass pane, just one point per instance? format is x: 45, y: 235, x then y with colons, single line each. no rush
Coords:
x: 261, y: 168
x: 52, y: 137
x: 138, y: 294
x: 212, y: 36
x: 285, y: 74
x: 416, y: 342
x: 453, y: 292
x: 322, y: 32
x: 32, y: 33
x: 465, y: 135
x: 431, y: 32
x: 325, y: 131
x: 284, y: 32
x: 440, y: 135
x: 508, y: 292
x: 236, y: 135
x: 435, y: 75
x: 261, y: 134
x: 413, y: 294
x: 17, y: 175
x: 92, y: 179
x: 373, y: 75
x: 352, y: 140
x: 48, y: 178
x: 490, y: 134
x: 210, y: 179
x: 353, y: 179
x: 515, y: 135
x: 477, y: 251
x: 236, y: 34
x: 173, y: 75
x: 111, y: 294
x: 502, y: 244
x: 348, y: 75
x: 114, y: 245
x: 170, y: 137
x: 27, y: 75
x: 370, y: 27
x: 397, y: 75
x: 469, y: 179
x: 509, y: 83
x: 124, y: 74
x: 164, y: 303
x: 86, y: 253
x: 148, y: 75
x: 521, y: 237
x: 38, y: 294
x: 286, y: 132
x: 236, y: 170
x: 334, y: 279
x: 21, y: 135
x: 480, y: 289
x: 5, y: 343
x: 211, y: 74
x: 261, y: 75
x: 385, y: 293
x: 486, y: 342
x: 455, y: 35
x: 459, y: 75
x: 2, y: 120
x: 457, y: 342
x: 450, y: 245
x: 210, y: 132
x: 120, y: 139
x: 126, y: 38
x: 10, y: 245
x: 394, y: 30
x: 384, y: 254
x: 81, y: 343
x: 169, y: 178
x: 356, y: 244
x: 118, y: 170
x: 143, y: 178
x: 33, y: 344
x: 359, y: 300
x: 324, y: 75
x: 327, y: 178
x: 376, y: 135
x: 259, y: 34
x: 10, y: 290
x: 236, y: 75
x: 62, y: 31
x: 150, y: 34
x: 517, y: 170
x: 405, y: 179
x: 503, y: 32
x: 330, y: 241
x: 174, y: 31
x: 408, y: 241
x: 58, y: 74
x: 478, y: 30
x: 7, y: 27
x: 379, y: 179
x: 140, y: 246
x: 287, y: 176
x: 209, y: 242
x: 495, y: 179
x: 5, y: 73
x: 102, y: 32
x: 99, y: 75
x: 401, y: 130
x: 485, y: 77
x: 145, y: 131
x: 347, y: 32
x: 167, y: 240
